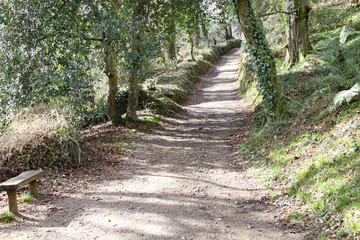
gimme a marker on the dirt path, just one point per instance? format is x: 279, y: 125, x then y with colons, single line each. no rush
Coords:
x: 180, y: 182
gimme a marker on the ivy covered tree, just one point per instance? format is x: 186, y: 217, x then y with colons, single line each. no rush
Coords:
x: 263, y: 59
x: 139, y: 18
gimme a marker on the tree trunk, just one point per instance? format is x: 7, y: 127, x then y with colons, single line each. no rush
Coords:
x: 259, y: 48
x: 171, y: 36
x: 192, y: 48
x: 298, y: 36
x: 131, y: 115
x: 204, y: 30
x: 138, y: 24
x: 197, y: 35
x: 230, y: 32
x: 172, y: 47
x: 112, y: 74
x: 227, y: 35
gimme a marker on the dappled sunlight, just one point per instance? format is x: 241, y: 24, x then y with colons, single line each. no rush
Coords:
x: 180, y: 180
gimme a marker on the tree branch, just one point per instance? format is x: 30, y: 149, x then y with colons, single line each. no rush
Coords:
x: 276, y: 12
x: 84, y: 37
x: 116, y: 4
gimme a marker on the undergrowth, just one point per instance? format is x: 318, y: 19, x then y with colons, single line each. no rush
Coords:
x: 311, y: 156
x: 37, y: 138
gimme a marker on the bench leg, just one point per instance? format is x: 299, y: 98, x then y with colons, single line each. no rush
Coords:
x: 12, y: 201
x: 34, y: 189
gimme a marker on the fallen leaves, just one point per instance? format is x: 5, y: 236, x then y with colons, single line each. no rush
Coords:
x: 102, y: 160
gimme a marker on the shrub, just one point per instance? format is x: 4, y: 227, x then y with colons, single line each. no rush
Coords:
x: 38, y: 138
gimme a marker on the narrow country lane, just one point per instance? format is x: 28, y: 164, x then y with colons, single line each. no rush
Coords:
x: 182, y: 181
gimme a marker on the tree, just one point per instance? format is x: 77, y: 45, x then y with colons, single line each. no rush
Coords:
x: 225, y: 20
x: 109, y: 53
x: 65, y: 42
x: 139, y: 18
x: 45, y: 59
x: 171, y: 33
x: 263, y: 58
x: 165, y: 16
x: 189, y: 21
x: 298, y: 45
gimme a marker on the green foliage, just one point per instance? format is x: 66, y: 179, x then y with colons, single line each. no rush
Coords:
x: 146, y: 101
x: 344, y: 96
x: 151, y: 118
x: 327, y: 15
x: 51, y: 58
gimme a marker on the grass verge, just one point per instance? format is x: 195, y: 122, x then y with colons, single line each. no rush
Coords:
x: 311, y: 157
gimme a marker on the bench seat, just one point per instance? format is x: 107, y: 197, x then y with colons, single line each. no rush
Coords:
x: 11, y: 185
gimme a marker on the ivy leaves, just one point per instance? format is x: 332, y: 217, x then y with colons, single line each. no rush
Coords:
x: 262, y: 60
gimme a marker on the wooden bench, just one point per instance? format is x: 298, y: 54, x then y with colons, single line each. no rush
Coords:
x: 11, y: 185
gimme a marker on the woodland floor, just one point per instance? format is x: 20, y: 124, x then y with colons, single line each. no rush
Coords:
x: 181, y: 180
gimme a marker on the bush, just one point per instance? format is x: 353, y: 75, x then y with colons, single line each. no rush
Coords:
x: 38, y: 138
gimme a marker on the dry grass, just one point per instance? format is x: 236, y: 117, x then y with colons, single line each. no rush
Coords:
x: 38, y: 138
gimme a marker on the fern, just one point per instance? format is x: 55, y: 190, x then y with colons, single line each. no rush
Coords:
x: 344, y: 35
x: 352, y: 66
x: 328, y: 68
x: 341, y: 97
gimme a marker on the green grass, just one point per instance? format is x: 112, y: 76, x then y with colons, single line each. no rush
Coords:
x: 313, y: 153
x: 26, y: 197
x: 6, y: 218
x: 296, y: 216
